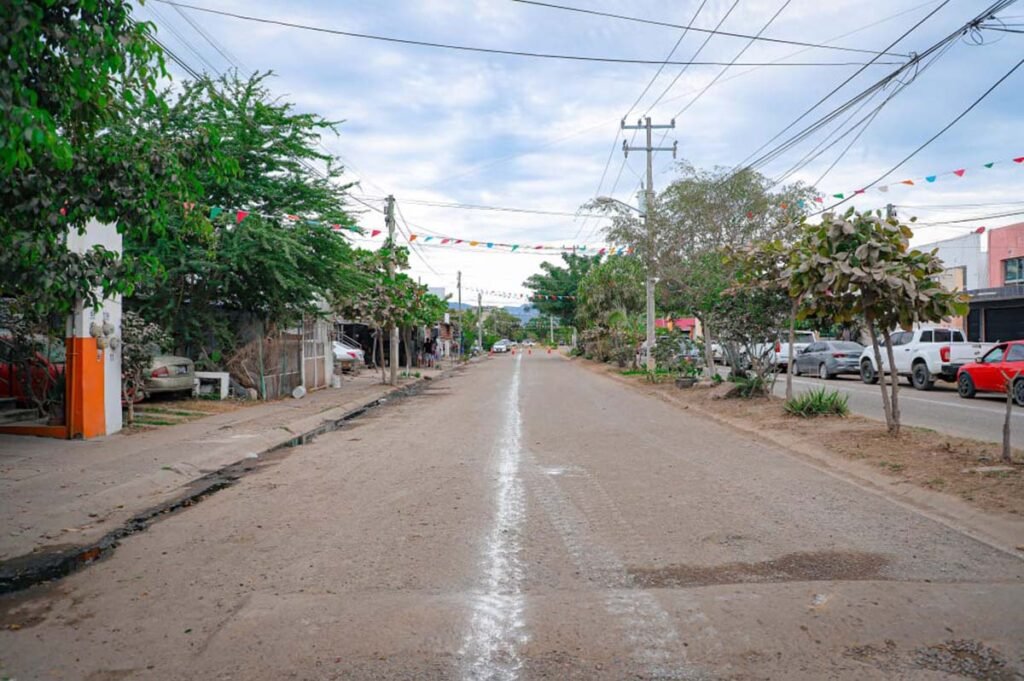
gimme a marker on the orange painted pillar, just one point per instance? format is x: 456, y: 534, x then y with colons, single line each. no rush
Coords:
x: 86, y: 391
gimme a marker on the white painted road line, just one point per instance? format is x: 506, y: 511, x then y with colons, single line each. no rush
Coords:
x: 497, y: 629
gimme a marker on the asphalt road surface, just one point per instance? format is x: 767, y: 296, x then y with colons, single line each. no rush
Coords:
x: 940, y: 408
x: 530, y: 519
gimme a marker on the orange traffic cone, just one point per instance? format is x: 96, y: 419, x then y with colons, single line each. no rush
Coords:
x: 549, y: 351
x: 530, y: 351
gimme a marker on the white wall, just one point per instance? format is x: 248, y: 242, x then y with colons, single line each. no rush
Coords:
x: 964, y: 251
x: 97, y: 234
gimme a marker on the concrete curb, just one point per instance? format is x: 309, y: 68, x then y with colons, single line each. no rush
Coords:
x: 51, y: 563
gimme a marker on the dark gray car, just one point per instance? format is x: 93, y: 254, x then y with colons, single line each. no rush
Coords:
x: 826, y: 359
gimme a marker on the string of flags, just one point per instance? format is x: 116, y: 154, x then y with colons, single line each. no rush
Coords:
x: 519, y: 296
x: 241, y: 215
x: 450, y: 242
x: 884, y: 188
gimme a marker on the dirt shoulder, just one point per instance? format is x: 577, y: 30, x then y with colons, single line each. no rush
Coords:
x: 961, y: 480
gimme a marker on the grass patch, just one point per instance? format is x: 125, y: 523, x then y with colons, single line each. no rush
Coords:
x: 818, y: 402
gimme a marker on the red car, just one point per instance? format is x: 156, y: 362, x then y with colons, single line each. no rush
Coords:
x: 30, y: 381
x: 990, y: 373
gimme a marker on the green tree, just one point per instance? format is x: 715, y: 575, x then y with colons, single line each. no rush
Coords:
x: 861, y: 264
x: 216, y: 268
x: 562, y: 282
x: 693, y: 221
x: 73, y: 80
x: 610, y: 296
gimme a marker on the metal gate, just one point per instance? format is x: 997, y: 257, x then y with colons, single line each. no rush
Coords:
x: 314, y: 354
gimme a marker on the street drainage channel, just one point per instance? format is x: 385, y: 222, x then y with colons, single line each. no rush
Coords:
x: 56, y: 562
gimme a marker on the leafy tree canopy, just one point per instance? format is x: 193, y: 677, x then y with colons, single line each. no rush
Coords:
x: 563, y: 282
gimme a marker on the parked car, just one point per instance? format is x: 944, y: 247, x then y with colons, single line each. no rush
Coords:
x: 782, y: 349
x: 169, y: 374
x: 990, y: 372
x: 924, y: 355
x: 717, y: 353
x: 827, y: 359
x: 502, y: 346
x: 347, y: 352
x: 44, y: 371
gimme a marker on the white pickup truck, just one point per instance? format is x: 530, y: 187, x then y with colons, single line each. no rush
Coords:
x: 923, y: 355
x: 782, y: 350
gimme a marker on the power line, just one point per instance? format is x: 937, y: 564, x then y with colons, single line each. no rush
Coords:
x: 695, y: 54
x: 934, y: 137
x: 975, y: 218
x: 841, y: 85
x: 213, y: 42
x: 504, y: 209
x: 691, y: 27
x: 611, y: 153
x: 487, y: 50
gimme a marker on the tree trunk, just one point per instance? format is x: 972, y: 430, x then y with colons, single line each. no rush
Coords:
x: 709, y: 355
x: 792, y: 353
x: 373, y: 350
x: 383, y: 368
x: 1007, y: 452
x: 886, y: 407
x: 894, y: 428
x: 407, y: 333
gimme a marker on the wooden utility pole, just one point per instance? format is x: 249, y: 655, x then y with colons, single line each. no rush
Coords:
x: 480, y: 320
x: 459, y: 285
x: 389, y: 217
x: 645, y: 124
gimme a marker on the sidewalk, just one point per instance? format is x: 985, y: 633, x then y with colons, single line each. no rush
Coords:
x: 58, y: 492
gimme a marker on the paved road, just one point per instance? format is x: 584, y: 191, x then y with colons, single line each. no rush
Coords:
x: 940, y: 409
x: 530, y: 519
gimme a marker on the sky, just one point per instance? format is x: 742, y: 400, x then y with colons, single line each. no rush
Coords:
x: 432, y: 125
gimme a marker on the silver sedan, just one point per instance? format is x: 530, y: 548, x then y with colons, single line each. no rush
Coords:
x: 828, y: 358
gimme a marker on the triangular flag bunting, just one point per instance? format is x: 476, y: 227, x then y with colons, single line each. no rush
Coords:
x: 215, y: 211
x: 490, y: 245
x: 819, y: 199
x: 783, y: 206
x: 428, y: 238
x: 931, y: 178
x: 750, y: 215
x: 412, y: 237
x: 837, y: 196
x: 374, y: 233
x: 293, y: 218
x: 859, y: 191
x: 960, y: 173
x: 884, y: 188
x: 910, y: 182
x: 989, y: 165
x: 515, y: 246
x: 474, y: 243
x: 1019, y: 159
x: 241, y: 215
x: 444, y: 241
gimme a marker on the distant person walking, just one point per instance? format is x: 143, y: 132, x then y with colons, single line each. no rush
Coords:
x: 428, y: 351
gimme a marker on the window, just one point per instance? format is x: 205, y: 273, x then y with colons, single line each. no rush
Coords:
x: 848, y: 346
x: 926, y: 336
x: 1013, y: 271
x: 943, y: 335
x: 1016, y: 353
x: 901, y: 338
x: 995, y: 355
x: 958, y: 337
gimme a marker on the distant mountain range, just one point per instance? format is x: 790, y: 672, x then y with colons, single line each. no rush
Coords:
x: 524, y: 312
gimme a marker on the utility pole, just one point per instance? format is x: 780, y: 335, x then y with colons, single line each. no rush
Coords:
x: 389, y: 218
x: 890, y: 211
x: 551, y: 330
x: 480, y: 320
x: 459, y: 285
x: 645, y: 124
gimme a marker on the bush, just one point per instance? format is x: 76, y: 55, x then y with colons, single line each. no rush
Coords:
x: 751, y: 385
x: 819, y: 402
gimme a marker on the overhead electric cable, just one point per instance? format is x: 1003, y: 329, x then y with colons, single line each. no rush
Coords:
x: 934, y: 137
x: 715, y: 31
x: 487, y: 50
x: 841, y: 85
